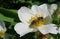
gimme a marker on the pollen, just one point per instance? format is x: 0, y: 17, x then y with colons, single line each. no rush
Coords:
x: 36, y: 21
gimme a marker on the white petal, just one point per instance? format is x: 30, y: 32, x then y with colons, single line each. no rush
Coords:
x: 24, y: 14
x: 59, y: 30
x: 52, y: 8
x: 44, y: 10
x: 50, y: 28
x: 48, y: 19
x: 2, y: 26
x: 35, y: 9
x: 22, y: 29
x: 53, y: 29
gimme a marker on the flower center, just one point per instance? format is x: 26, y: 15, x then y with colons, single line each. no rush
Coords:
x: 36, y: 21
x: 2, y: 32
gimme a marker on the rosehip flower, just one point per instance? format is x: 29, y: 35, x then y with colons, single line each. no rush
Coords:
x: 36, y: 19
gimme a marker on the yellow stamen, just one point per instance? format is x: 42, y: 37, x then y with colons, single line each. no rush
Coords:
x: 34, y: 17
x: 36, y: 21
x: 2, y: 33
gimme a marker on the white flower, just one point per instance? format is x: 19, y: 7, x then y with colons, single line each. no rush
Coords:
x: 59, y: 30
x: 2, y: 29
x: 35, y: 19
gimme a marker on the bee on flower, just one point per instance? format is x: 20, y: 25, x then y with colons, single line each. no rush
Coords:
x: 36, y: 19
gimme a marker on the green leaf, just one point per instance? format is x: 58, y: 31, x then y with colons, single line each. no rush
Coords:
x: 4, y: 18
x: 58, y: 3
x: 51, y: 0
x: 21, y: 1
x: 3, y: 10
x: 9, y: 13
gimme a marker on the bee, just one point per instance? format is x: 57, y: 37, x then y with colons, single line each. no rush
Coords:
x: 36, y: 20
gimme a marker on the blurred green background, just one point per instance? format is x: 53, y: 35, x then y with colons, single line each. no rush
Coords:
x: 8, y: 14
